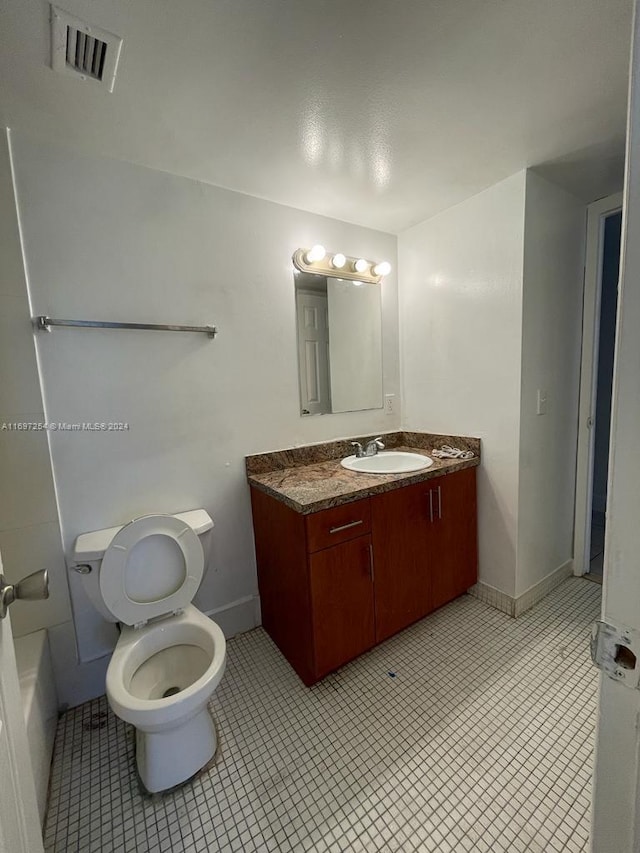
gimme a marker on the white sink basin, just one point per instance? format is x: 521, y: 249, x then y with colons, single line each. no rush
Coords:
x: 387, y: 462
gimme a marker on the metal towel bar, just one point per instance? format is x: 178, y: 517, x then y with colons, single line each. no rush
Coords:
x: 44, y: 323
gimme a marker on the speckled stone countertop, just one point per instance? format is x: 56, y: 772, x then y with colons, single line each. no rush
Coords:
x: 311, y: 478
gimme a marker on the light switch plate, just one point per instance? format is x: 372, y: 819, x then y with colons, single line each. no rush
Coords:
x: 541, y: 407
x: 389, y: 404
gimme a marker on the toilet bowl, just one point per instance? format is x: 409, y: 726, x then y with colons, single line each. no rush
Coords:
x: 170, y: 657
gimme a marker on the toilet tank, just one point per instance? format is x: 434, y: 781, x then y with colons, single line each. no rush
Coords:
x: 89, y: 549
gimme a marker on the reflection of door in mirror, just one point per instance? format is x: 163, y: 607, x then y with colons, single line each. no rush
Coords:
x: 313, y: 352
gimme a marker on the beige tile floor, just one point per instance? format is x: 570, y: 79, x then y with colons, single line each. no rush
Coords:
x: 469, y: 731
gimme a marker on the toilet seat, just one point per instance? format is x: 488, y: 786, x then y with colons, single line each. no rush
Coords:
x: 135, y: 647
x: 153, y: 567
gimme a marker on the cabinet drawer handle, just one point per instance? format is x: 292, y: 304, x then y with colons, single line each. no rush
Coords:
x: 439, y: 503
x: 372, y: 571
x: 345, y: 526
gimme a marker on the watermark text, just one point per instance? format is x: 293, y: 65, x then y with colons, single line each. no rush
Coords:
x: 60, y: 426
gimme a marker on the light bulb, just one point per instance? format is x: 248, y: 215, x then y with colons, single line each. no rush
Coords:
x: 383, y: 268
x: 360, y: 265
x: 316, y: 253
x: 338, y: 261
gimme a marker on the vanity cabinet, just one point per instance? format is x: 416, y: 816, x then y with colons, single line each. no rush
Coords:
x: 335, y: 582
x: 425, y: 548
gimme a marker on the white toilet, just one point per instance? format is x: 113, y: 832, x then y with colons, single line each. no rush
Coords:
x: 170, y: 657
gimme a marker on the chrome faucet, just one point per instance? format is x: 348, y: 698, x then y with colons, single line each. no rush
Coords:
x: 370, y: 449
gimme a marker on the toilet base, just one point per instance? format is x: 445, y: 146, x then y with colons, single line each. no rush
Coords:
x: 169, y: 757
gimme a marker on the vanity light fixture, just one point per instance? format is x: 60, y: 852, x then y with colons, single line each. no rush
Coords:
x: 316, y: 253
x: 383, y: 268
x: 336, y: 265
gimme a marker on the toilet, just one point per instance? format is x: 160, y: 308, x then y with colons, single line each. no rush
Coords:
x: 170, y: 657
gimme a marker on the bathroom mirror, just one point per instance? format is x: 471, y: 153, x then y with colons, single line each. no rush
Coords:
x: 339, y: 326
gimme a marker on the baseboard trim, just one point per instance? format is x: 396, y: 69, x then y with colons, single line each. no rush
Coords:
x: 538, y: 591
x: 237, y: 617
x: 493, y: 597
x: 517, y: 606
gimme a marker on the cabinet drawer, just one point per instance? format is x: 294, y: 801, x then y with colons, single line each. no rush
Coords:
x: 338, y: 524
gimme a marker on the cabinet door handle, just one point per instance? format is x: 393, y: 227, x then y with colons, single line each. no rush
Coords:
x: 372, y: 571
x: 431, y: 506
x: 439, y: 503
x: 345, y: 526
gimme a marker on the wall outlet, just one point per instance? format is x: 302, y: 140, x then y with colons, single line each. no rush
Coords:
x: 541, y: 407
x: 389, y: 404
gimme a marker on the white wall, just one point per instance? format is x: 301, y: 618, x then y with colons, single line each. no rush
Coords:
x: 551, y: 344
x: 29, y: 530
x: 491, y: 308
x: 461, y: 310
x: 109, y: 240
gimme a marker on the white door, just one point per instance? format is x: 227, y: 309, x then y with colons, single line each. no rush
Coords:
x: 596, y: 215
x: 313, y: 352
x: 19, y: 818
x: 616, y: 811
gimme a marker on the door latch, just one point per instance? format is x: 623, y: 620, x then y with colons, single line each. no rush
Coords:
x: 616, y: 651
x: 34, y: 587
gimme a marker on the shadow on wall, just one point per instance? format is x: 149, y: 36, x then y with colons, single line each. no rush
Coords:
x: 589, y: 173
x: 492, y: 515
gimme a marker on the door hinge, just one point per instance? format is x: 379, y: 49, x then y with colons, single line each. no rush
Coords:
x: 615, y: 650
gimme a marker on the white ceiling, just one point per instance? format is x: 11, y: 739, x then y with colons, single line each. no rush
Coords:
x: 379, y: 112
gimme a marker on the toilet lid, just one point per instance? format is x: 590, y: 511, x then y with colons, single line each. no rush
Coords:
x: 152, y: 567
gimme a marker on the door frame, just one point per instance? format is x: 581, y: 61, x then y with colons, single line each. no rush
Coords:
x: 597, y: 213
x: 615, y: 812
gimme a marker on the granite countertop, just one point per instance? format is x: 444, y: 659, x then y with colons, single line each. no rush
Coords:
x: 308, y: 479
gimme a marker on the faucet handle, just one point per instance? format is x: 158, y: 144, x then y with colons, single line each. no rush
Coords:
x: 358, y: 447
x: 378, y: 442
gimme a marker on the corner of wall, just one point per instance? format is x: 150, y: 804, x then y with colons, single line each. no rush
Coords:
x: 29, y: 524
x: 553, y: 261
x: 460, y: 298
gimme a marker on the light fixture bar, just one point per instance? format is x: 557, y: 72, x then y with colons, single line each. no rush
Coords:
x: 337, y: 265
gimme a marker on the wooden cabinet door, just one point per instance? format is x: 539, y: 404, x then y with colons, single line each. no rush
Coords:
x: 454, y: 535
x: 342, y: 603
x: 400, y: 524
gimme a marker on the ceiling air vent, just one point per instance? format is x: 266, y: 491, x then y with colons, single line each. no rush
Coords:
x: 83, y: 50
